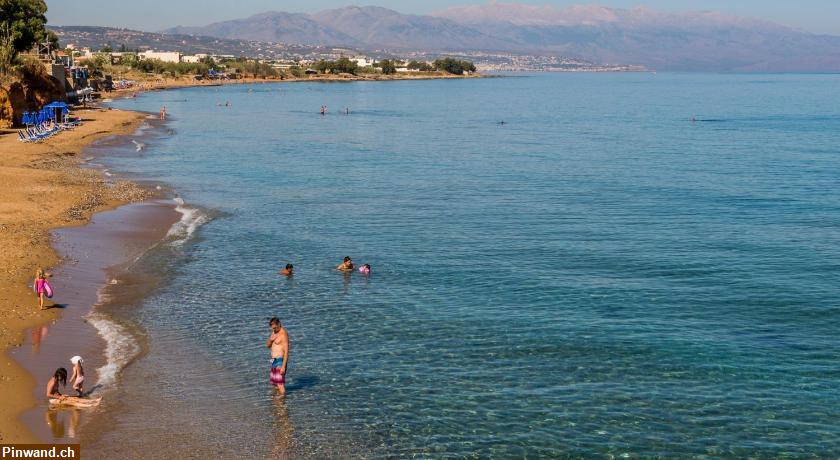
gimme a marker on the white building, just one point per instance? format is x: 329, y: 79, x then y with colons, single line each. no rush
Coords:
x: 363, y: 61
x: 165, y: 56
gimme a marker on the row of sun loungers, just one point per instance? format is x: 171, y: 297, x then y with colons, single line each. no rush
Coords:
x: 39, y: 132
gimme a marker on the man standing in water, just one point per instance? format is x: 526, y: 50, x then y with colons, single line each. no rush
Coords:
x: 279, y: 345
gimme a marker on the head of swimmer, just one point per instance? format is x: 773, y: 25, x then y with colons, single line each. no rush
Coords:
x: 274, y: 323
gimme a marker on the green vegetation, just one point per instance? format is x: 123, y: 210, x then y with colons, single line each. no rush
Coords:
x: 255, y: 69
x: 170, y: 68
x: 454, y: 66
x: 421, y: 66
x: 22, y: 25
x: 343, y: 65
x: 388, y: 67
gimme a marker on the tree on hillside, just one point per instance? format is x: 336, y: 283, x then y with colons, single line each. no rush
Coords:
x: 7, y: 48
x: 22, y: 25
x: 27, y: 21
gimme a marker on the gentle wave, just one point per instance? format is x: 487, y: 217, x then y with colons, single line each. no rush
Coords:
x: 120, y: 347
x: 191, y: 218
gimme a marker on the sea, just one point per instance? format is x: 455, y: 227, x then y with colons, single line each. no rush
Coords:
x: 611, y: 265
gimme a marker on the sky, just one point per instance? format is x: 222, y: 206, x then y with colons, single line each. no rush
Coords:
x: 818, y: 16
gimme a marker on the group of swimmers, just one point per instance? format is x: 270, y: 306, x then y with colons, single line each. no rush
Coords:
x: 278, y: 341
x: 324, y: 110
x: 346, y: 266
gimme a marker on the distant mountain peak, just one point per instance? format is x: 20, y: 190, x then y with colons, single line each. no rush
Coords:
x: 697, y: 40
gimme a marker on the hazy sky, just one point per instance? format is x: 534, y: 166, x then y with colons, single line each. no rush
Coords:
x: 821, y: 16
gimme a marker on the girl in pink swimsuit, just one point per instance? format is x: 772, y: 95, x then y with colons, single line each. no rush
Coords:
x: 40, y: 290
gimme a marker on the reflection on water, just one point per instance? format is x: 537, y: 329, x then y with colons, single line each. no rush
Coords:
x: 284, y: 429
x: 62, y: 422
x: 38, y: 335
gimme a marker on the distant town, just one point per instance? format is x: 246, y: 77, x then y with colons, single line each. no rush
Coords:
x: 173, y: 48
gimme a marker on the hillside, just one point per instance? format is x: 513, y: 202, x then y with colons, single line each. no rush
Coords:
x: 97, y: 37
x: 698, y: 41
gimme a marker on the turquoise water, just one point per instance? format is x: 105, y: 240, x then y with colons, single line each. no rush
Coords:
x: 598, y: 276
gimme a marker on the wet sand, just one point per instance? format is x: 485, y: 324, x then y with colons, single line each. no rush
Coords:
x: 94, y: 257
x: 45, y: 188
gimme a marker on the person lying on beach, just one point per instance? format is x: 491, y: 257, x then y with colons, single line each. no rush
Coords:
x: 346, y: 266
x: 365, y: 269
x: 77, y: 378
x: 40, y: 285
x: 59, y: 378
x: 288, y: 271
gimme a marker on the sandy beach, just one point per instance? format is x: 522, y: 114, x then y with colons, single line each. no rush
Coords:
x: 44, y: 188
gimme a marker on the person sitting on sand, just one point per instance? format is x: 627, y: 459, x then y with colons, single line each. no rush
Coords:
x: 59, y: 378
x: 365, y: 269
x: 288, y: 271
x: 77, y: 378
x: 346, y: 266
x: 40, y: 285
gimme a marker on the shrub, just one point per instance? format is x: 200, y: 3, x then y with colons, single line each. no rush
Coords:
x: 454, y: 66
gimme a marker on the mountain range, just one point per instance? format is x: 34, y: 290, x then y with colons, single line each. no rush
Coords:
x: 692, y: 41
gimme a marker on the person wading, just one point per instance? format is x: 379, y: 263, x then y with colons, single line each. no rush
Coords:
x: 279, y: 345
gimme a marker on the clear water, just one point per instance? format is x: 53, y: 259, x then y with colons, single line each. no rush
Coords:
x: 600, y: 275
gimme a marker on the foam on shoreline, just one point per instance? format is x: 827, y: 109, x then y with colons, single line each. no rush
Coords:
x: 191, y: 219
x: 120, y: 347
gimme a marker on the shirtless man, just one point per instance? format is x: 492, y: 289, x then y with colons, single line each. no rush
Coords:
x: 279, y: 345
x: 346, y: 266
x: 288, y: 271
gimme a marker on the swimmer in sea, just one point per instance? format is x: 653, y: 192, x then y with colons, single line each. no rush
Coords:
x: 365, y: 269
x: 346, y: 266
x: 288, y: 271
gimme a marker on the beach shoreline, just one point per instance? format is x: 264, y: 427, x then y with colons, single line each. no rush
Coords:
x: 27, y: 239
x: 50, y: 178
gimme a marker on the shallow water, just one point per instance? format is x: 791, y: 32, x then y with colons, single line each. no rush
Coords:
x: 630, y: 265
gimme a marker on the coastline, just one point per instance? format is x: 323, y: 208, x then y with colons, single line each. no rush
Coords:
x: 74, y: 195
x: 48, y: 177
x: 188, y: 82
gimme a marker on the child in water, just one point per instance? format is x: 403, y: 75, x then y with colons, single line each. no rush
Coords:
x: 40, y: 288
x: 288, y: 271
x: 365, y: 269
x: 77, y: 379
